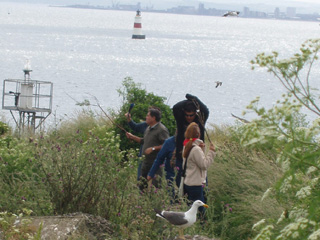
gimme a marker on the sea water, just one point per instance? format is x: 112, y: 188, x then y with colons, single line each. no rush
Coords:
x: 87, y: 53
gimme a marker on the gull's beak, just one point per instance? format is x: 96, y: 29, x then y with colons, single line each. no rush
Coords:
x: 205, y: 205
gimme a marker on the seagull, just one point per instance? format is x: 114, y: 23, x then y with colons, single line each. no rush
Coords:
x: 231, y: 13
x: 182, y: 219
x: 218, y: 83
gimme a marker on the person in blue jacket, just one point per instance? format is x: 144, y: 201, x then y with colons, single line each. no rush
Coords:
x: 164, y: 156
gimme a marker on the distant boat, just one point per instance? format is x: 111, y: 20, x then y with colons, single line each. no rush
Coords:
x: 232, y: 13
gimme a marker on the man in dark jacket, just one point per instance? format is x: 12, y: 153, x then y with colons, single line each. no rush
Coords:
x: 186, y: 112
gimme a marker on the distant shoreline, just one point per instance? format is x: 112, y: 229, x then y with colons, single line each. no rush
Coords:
x: 218, y: 12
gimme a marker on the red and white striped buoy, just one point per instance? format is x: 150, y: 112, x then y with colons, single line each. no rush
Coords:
x: 137, y: 32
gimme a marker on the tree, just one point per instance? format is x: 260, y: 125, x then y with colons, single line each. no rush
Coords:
x: 133, y: 93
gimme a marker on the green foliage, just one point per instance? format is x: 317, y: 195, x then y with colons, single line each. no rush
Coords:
x: 238, y: 178
x: 4, y: 128
x: 19, y: 177
x: 17, y: 226
x: 290, y: 72
x: 296, y: 144
x: 133, y: 93
x: 77, y: 170
x: 80, y: 167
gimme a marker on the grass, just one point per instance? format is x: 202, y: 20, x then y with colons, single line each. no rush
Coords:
x: 80, y: 167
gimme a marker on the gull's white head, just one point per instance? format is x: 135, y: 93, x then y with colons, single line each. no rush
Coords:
x: 199, y: 203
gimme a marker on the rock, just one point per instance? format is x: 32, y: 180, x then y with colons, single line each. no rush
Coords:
x: 197, y: 237
x: 73, y: 225
x: 80, y: 226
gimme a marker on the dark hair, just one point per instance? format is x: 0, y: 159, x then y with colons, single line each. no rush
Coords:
x: 155, y: 112
x: 192, y: 131
x: 190, y: 107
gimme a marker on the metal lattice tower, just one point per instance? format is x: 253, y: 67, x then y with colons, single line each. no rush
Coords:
x: 29, y: 101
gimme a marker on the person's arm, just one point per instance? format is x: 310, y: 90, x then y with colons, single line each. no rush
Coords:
x: 204, y: 161
x: 203, y: 108
x: 151, y: 149
x: 134, y: 137
x: 158, y: 161
x: 178, y: 112
x: 137, y: 127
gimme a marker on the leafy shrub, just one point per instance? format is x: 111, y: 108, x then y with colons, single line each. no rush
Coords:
x: 78, y: 169
x: 19, y: 177
x: 297, y: 145
x: 132, y: 93
x: 4, y: 128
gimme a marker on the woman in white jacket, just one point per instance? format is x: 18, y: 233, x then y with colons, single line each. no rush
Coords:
x: 195, y: 163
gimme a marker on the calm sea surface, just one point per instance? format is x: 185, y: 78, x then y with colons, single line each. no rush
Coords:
x: 89, y: 52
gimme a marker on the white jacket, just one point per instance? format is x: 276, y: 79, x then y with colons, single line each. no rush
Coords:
x: 197, y: 165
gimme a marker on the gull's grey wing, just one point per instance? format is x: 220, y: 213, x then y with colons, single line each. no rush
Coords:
x: 175, y: 218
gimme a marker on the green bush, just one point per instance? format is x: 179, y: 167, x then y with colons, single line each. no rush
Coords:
x: 132, y: 93
x: 20, y: 178
x: 78, y: 168
x: 4, y: 128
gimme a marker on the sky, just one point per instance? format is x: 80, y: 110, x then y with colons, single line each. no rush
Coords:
x: 302, y: 6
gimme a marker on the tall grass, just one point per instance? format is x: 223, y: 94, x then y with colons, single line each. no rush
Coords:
x: 237, y: 181
x: 80, y: 167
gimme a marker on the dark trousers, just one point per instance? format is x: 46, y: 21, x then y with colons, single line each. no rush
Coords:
x: 179, y: 172
x: 195, y: 193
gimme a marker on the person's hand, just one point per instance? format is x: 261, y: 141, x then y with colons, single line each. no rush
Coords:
x: 129, y: 135
x: 189, y: 96
x: 149, y: 178
x: 148, y: 151
x: 202, y: 145
x: 128, y: 116
x: 212, y: 147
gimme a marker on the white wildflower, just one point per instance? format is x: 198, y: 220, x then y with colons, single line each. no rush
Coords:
x: 316, y: 123
x: 297, y: 213
x: 282, y: 217
x: 295, y: 235
x: 265, y: 233
x: 289, y: 230
x: 311, y: 170
x: 303, y: 192
x: 317, y: 139
x: 285, y: 165
x: 292, y: 230
x: 281, y: 138
x: 303, y: 226
x: 286, y: 185
x: 279, y: 158
x: 266, y: 194
x: 262, y: 221
x: 303, y: 130
x: 315, y: 235
x: 313, y: 223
